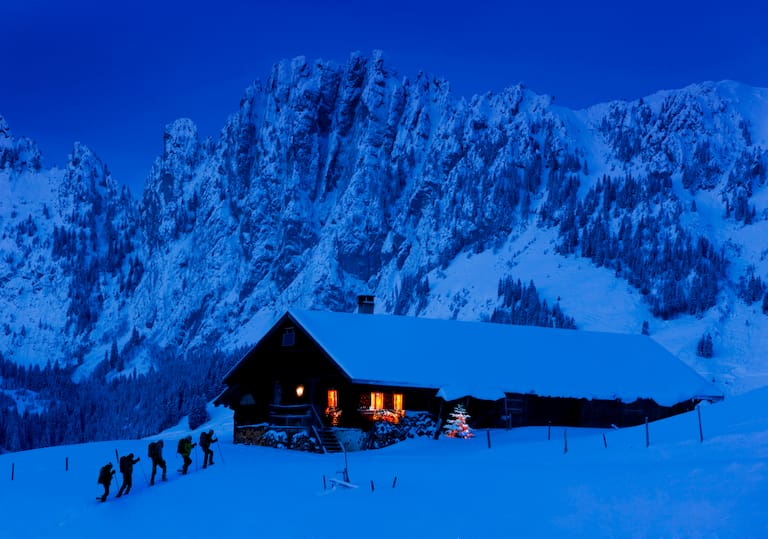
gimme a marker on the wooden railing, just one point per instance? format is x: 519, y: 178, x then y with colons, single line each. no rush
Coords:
x: 290, y: 415
x: 294, y: 415
x: 318, y: 421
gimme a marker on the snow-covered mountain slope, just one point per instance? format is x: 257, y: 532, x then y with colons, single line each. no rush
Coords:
x: 335, y: 180
x: 522, y: 485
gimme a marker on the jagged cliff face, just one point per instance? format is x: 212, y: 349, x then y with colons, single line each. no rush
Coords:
x: 330, y: 181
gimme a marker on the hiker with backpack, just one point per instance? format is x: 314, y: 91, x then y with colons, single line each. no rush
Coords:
x: 184, y: 449
x: 206, y: 439
x: 105, y: 478
x: 126, y: 468
x: 155, y: 452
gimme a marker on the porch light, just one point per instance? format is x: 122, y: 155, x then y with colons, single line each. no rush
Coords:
x: 299, y: 390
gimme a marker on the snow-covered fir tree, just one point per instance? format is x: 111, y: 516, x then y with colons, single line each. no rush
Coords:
x: 457, y: 426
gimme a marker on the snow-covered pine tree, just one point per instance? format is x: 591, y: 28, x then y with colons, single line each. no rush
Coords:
x: 457, y: 426
x: 705, y: 348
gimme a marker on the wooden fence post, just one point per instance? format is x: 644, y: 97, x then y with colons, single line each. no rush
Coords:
x: 372, y: 487
x: 549, y: 429
x: 66, y: 464
x: 13, y: 469
x: 489, y: 438
x: 605, y: 442
x: 346, y: 465
x: 647, y: 435
x: 439, y: 421
x: 565, y: 441
x: 394, y: 482
x: 701, y: 431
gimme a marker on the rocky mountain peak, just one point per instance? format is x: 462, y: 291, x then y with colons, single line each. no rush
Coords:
x: 18, y: 154
x: 180, y: 142
x: 334, y: 179
x: 5, y: 130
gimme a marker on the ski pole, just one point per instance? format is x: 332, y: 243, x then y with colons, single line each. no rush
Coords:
x: 196, y: 468
x: 112, y: 477
x: 144, y: 473
x: 117, y: 456
x: 221, y: 454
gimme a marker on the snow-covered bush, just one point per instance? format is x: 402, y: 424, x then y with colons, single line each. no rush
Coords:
x: 304, y: 442
x: 411, y: 425
x: 705, y: 348
x: 275, y: 438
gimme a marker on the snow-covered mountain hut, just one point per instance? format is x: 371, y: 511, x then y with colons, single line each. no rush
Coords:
x: 318, y: 370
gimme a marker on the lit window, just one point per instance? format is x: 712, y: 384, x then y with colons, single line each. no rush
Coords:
x: 333, y: 398
x: 377, y: 400
x: 398, y: 401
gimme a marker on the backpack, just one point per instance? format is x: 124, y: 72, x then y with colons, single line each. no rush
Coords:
x: 104, y: 475
x: 205, y: 440
x: 180, y: 446
x: 124, y: 463
x: 152, y: 451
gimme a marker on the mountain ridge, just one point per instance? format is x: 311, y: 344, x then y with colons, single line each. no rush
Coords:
x: 333, y: 180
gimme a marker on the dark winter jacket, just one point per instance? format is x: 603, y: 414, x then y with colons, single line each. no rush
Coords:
x: 206, y: 439
x: 126, y: 464
x: 105, y: 474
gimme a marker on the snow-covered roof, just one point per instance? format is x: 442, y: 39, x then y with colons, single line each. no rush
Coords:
x: 485, y: 360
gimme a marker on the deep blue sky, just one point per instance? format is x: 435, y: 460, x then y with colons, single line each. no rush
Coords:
x: 112, y: 74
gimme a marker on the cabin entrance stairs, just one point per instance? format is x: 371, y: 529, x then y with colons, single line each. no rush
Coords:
x: 328, y: 440
x: 326, y: 436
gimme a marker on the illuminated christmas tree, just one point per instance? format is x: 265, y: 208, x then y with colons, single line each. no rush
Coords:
x: 457, y: 426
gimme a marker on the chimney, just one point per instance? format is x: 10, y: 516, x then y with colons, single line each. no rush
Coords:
x: 365, y: 304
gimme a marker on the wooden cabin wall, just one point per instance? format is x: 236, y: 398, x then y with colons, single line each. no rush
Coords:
x: 302, y: 363
x: 562, y: 411
x: 359, y: 397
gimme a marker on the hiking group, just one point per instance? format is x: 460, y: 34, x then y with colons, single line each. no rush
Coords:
x: 155, y: 453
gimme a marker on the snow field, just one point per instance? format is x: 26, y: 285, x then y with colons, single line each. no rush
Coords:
x: 523, y: 485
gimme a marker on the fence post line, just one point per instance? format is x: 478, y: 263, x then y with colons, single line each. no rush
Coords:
x: 549, y: 429
x: 13, y: 469
x: 66, y: 464
x: 605, y: 442
x: 489, y: 438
